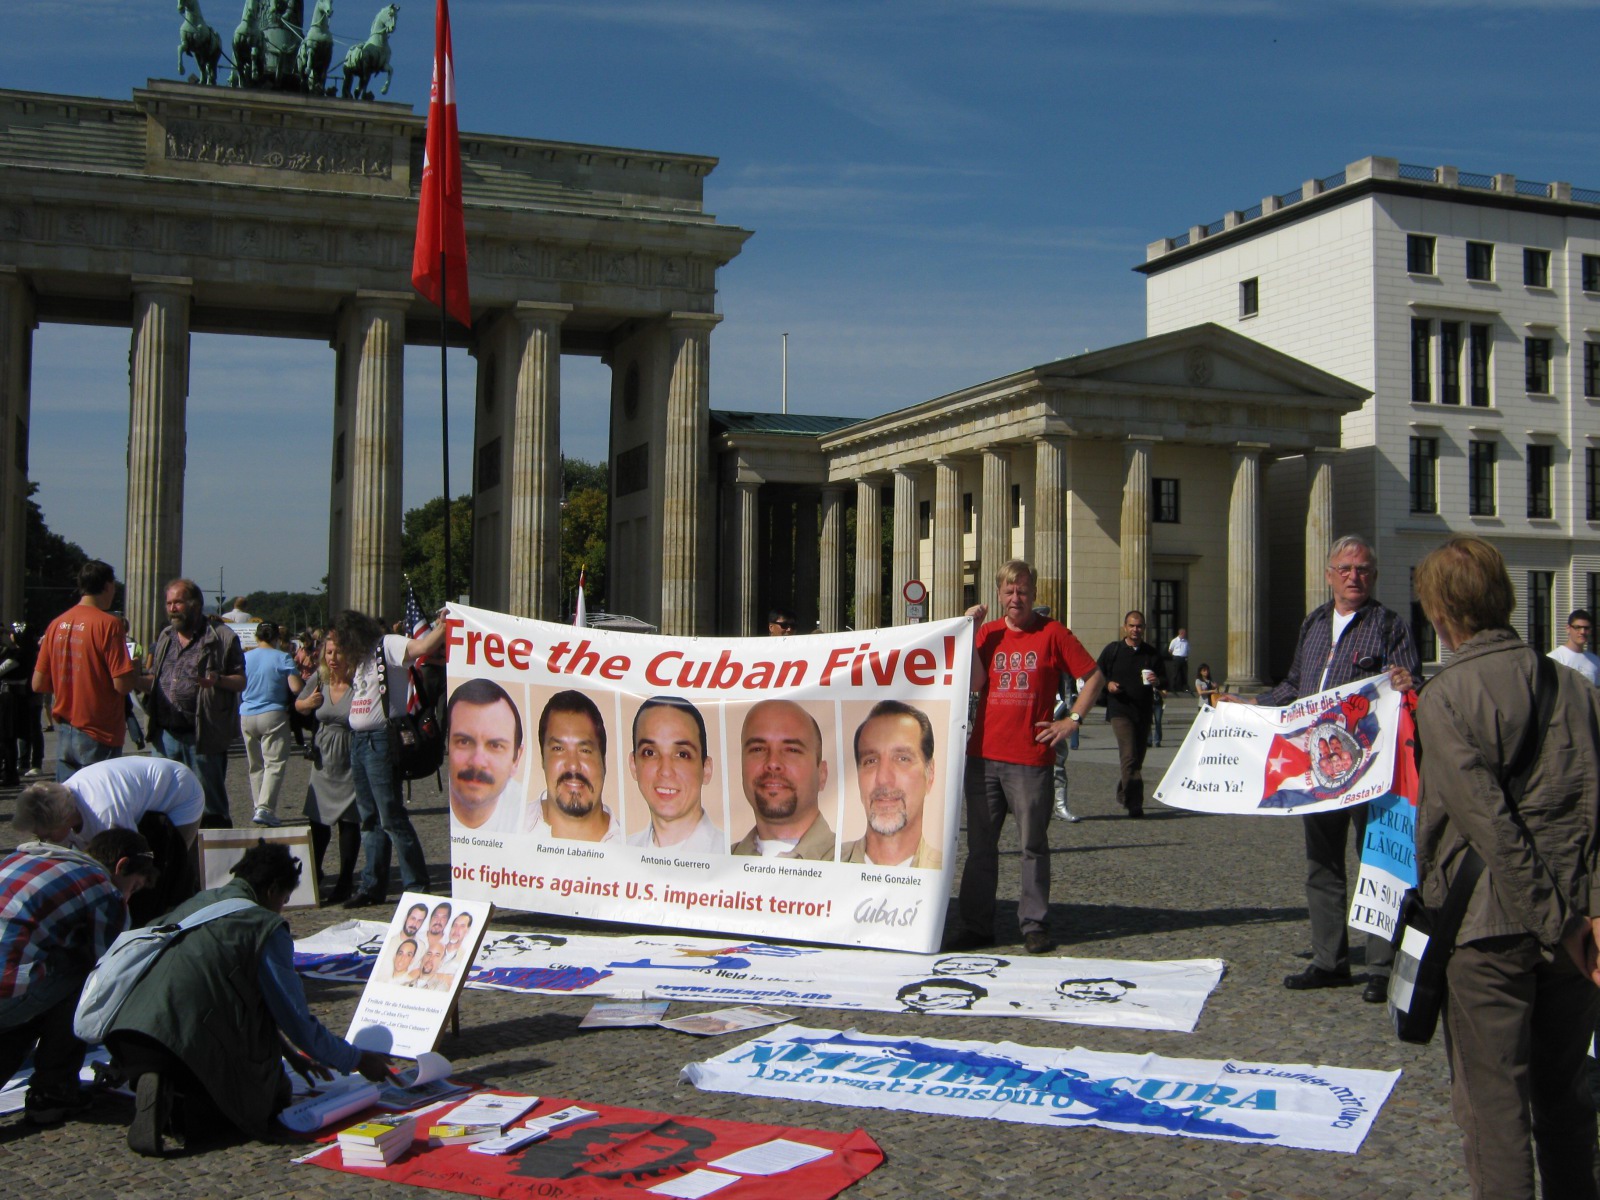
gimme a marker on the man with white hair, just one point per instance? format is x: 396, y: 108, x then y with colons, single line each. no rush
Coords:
x: 115, y: 794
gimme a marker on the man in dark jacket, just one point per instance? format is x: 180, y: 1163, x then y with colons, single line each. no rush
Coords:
x: 206, y: 1030
x: 1134, y: 674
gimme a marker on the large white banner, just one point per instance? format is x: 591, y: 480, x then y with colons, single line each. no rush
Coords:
x: 1082, y: 991
x: 1312, y: 1108
x: 1323, y: 752
x: 803, y: 788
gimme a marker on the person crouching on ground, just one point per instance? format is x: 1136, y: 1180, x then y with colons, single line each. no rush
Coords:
x: 205, y: 1031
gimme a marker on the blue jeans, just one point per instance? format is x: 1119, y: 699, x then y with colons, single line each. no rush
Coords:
x: 75, y: 750
x: 384, y: 820
x: 211, y: 768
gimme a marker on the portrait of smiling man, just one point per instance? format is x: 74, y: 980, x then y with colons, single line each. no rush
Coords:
x: 484, y: 748
x: 572, y: 745
x: 894, y: 774
x: 671, y: 767
x: 780, y: 747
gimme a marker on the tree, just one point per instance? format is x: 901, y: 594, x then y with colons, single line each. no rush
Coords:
x: 422, y: 551
x: 585, y: 508
x: 50, y: 575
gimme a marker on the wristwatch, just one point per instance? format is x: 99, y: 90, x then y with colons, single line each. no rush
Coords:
x: 1075, y: 718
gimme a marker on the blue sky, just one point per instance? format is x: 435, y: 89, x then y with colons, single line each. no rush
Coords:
x: 941, y: 192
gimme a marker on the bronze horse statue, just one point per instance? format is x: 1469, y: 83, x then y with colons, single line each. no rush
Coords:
x: 368, y: 58
x: 247, y: 47
x: 316, y: 50
x: 280, y: 46
x: 199, y: 41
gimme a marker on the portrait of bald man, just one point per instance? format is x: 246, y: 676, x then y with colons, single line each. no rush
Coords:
x: 894, y: 776
x: 780, y: 750
x: 483, y: 751
x: 671, y: 767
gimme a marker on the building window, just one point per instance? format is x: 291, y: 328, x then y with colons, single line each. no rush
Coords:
x: 1540, y: 459
x: 1422, y: 630
x: 1536, y: 268
x: 1536, y: 364
x: 966, y: 512
x: 1166, y: 614
x: 1421, y: 342
x: 1541, y: 589
x: 1016, y: 506
x: 1424, y: 475
x: 1591, y: 369
x: 924, y: 519
x: 1419, y: 254
x: 1594, y: 592
x: 1449, y: 362
x: 1591, y: 272
x: 1480, y: 261
x: 1249, y: 297
x: 1591, y: 483
x: 1481, y: 339
x: 1166, y: 501
x: 1480, y: 479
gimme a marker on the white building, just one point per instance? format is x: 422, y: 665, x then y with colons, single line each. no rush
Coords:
x: 1469, y: 305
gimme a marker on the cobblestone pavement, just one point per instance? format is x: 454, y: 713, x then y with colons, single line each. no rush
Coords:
x: 1175, y: 885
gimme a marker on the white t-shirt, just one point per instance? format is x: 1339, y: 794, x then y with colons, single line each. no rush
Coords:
x: 115, y: 793
x: 1178, y: 647
x: 1582, y: 661
x: 364, y: 713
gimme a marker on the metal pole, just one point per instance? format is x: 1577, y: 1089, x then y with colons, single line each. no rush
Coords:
x: 786, y: 373
x: 444, y: 414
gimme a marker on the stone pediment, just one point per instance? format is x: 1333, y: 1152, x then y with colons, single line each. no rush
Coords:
x: 1202, y: 357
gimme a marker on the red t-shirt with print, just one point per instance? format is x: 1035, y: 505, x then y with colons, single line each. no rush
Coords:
x: 1023, y: 674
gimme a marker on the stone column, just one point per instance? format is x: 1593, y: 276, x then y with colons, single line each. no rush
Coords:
x: 685, y: 587
x: 376, y: 453
x: 157, y: 443
x: 830, y: 600
x: 994, y: 521
x: 945, y: 590
x: 1049, y: 528
x: 1244, y: 569
x: 905, y: 540
x: 869, y: 554
x: 747, y: 497
x: 1319, y: 525
x: 1135, y: 566
x: 16, y: 336
x: 533, y: 512
x: 806, y: 574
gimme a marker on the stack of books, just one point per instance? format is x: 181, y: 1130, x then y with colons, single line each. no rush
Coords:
x: 479, y: 1119
x: 378, y: 1142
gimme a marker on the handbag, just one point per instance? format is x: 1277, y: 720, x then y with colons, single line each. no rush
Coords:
x: 1424, y: 939
x: 127, y: 961
x: 416, y: 739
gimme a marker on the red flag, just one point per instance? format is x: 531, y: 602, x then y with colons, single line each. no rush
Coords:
x: 441, y: 225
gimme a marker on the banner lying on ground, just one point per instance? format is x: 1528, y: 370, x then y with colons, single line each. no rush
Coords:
x: 805, y: 788
x: 1082, y: 991
x: 627, y: 1152
x: 1313, y: 1108
x: 1323, y: 752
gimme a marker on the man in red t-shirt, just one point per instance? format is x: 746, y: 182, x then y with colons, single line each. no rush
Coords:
x: 83, y: 661
x: 1017, y: 663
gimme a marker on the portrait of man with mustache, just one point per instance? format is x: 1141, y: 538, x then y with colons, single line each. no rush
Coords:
x: 484, y: 750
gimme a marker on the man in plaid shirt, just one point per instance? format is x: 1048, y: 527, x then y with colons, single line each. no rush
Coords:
x: 59, y: 910
x: 1350, y: 637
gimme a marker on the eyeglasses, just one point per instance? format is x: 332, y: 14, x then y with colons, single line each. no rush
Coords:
x: 1362, y: 570
x: 784, y: 624
x: 1580, y: 628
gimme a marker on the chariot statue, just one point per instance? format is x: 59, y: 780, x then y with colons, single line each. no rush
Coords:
x: 273, y: 48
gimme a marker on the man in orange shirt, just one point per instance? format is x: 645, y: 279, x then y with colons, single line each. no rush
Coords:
x: 83, y: 660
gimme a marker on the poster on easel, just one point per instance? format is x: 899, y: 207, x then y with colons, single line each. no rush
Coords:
x: 430, y: 943
x: 220, y: 849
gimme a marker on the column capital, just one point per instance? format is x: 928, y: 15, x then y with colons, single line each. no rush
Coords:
x: 1147, y: 439
x: 1318, y: 452
x: 181, y: 284
x: 907, y: 470
x: 836, y: 490
x: 1250, y: 447
x: 374, y: 298
x: 541, y: 310
x: 692, y: 322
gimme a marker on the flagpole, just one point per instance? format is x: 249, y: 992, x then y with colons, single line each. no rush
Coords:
x: 444, y: 411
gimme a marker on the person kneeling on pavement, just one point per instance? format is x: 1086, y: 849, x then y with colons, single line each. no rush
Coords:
x: 204, y: 1033
x: 60, y: 909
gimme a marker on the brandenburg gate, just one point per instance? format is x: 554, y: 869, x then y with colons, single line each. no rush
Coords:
x: 197, y: 209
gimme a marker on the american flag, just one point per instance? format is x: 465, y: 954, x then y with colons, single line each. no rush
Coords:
x: 416, y: 626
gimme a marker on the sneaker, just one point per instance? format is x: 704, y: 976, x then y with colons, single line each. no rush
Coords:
x: 43, y: 1108
x: 152, y: 1107
x: 32, y: 773
x: 265, y: 816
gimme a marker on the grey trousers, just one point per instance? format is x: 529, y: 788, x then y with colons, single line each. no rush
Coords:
x: 992, y: 790
x: 1516, y: 1028
x: 1326, y: 894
